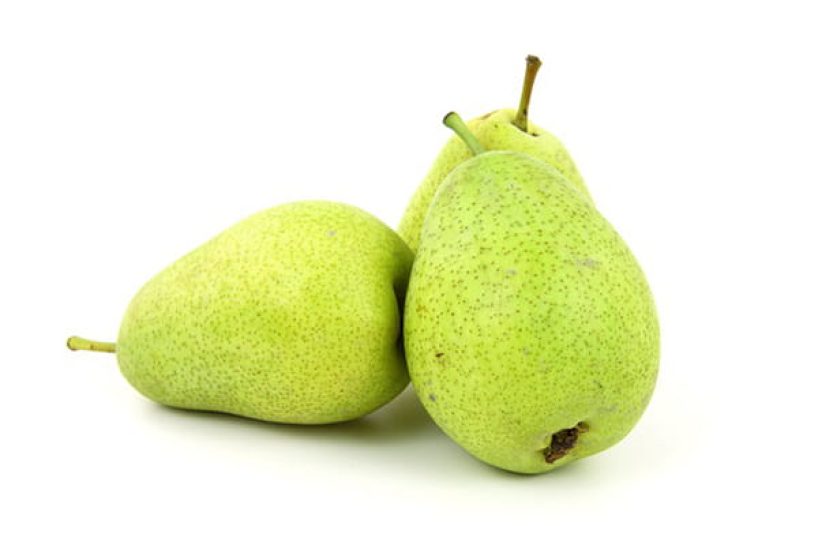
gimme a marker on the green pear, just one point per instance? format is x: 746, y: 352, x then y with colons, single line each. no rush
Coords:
x: 292, y: 315
x: 499, y: 130
x: 530, y: 331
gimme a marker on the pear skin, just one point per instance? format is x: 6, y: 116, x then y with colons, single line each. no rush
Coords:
x: 292, y: 315
x: 530, y: 331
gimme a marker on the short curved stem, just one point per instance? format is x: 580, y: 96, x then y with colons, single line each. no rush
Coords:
x: 78, y: 343
x: 456, y: 123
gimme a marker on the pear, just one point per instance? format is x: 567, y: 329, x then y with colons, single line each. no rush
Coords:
x: 505, y: 129
x: 292, y: 315
x: 530, y: 331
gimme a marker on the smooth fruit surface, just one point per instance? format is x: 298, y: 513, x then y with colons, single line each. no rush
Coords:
x: 530, y: 331
x: 292, y: 315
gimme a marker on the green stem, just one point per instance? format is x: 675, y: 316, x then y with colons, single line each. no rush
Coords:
x: 78, y: 343
x: 456, y: 123
x: 532, y: 65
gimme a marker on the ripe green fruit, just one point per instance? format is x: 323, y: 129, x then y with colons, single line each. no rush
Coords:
x: 530, y: 331
x: 499, y: 130
x: 292, y: 315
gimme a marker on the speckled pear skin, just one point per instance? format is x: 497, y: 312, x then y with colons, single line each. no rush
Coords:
x: 527, y: 315
x: 495, y: 131
x: 292, y: 315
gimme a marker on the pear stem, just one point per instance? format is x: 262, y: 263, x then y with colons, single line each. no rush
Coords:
x: 78, y: 343
x: 456, y: 123
x: 532, y: 65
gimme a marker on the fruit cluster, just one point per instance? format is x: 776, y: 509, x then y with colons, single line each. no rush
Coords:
x: 524, y: 322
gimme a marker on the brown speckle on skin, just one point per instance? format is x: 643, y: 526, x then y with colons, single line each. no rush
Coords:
x: 588, y: 262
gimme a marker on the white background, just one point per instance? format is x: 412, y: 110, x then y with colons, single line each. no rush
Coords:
x: 131, y: 132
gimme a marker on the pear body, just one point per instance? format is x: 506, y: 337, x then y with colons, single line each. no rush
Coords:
x: 530, y: 331
x: 495, y: 131
x: 292, y: 315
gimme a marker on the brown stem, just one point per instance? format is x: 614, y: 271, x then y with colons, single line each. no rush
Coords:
x: 532, y: 65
